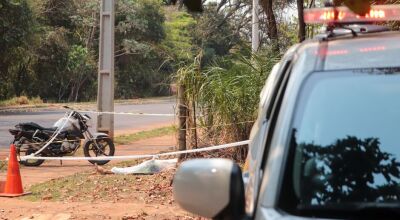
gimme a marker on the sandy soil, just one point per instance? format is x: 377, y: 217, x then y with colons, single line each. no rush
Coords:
x: 17, y: 208
x: 44, y: 210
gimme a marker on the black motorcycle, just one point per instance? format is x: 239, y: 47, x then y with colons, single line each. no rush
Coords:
x: 65, y: 137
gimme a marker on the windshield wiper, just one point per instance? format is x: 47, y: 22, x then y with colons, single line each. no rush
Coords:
x: 353, y: 210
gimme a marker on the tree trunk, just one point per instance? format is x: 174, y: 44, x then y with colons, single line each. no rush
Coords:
x: 271, y: 23
x: 302, y: 25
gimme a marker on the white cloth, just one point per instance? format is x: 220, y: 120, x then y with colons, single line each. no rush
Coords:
x: 147, y: 167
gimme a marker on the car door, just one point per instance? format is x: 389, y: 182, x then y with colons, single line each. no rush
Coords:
x: 258, y: 135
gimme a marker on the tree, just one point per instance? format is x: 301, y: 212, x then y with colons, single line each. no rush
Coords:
x: 50, y: 65
x: 178, y: 42
x: 82, y: 71
x: 140, y: 66
x: 16, y: 29
x: 58, y: 13
x: 302, y: 24
x: 214, y: 35
x: 268, y: 6
x: 349, y: 167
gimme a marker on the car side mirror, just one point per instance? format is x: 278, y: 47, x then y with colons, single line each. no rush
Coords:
x: 211, y: 188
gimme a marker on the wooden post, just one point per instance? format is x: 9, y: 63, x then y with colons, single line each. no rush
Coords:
x: 183, y: 114
x: 194, y: 123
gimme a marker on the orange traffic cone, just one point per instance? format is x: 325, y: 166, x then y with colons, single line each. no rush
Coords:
x: 13, y: 185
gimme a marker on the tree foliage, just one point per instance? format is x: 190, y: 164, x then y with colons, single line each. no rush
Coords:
x: 214, y: 34
x: 352, y: 167
x: 49, y: 48
x: 139, y: 58
x: 178, y: 43
x: 58, y: 13
x: 15, y: 26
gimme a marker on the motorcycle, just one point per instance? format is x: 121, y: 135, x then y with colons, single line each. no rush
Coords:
x: 65, y: 139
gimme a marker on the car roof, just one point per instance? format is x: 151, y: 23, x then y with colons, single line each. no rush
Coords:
x: 372, y: 50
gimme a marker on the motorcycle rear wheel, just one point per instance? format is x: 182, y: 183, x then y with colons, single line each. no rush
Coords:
x: 106, y: 146
x: 29, y: 151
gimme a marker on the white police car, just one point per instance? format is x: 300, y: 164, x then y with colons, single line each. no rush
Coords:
x: 326, y: 143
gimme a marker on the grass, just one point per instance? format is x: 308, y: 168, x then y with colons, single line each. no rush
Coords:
x: 129, y: 138
x: 226, y: 92
x: 3, y: 165
x: 88, y: 186
x: 21, y: 100
x: 61, y: 188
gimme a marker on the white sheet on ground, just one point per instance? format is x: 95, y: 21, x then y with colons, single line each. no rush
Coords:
x: 147, y: 167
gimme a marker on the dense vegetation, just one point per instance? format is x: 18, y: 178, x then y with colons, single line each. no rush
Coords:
x: 223, y: 82
x: 49, y: 48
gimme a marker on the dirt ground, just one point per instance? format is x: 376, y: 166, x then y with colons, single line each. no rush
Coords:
x: 142, y: 203
x: 44, y: 210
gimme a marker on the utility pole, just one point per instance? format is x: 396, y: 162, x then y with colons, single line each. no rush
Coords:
x: 105, y: 94
x: 255, y: 27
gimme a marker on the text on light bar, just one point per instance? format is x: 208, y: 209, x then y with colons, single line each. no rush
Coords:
x: 345, y: 15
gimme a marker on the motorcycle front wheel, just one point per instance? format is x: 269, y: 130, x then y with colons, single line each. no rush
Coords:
x: 104, y: 147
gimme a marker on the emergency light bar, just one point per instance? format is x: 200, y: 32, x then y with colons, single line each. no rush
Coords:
x: 345, y: 15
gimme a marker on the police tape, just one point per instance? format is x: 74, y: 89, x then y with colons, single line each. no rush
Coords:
x: 126, y: 113
x: 128, y: 157
x: 55, y: 134
x: 132, y: 113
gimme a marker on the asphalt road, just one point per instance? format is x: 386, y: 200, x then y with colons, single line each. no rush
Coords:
x: 122, y: 123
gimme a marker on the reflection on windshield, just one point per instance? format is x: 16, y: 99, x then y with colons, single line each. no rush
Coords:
x: 346, y: 139
x: 350, y: 170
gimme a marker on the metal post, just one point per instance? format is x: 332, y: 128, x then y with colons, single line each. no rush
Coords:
x: 105, y: 99
x: 255, y: 33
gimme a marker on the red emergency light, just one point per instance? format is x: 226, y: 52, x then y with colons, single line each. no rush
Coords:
x: 345, y: 15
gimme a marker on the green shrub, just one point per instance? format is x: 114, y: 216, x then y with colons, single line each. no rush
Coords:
x: 226, y: 95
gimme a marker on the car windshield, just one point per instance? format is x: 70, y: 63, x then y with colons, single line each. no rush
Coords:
x: 346, y: 139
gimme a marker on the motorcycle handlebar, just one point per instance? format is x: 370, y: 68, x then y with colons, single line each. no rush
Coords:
x: 77, y: 115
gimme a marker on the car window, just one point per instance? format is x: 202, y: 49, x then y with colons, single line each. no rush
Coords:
x: 346, y: 139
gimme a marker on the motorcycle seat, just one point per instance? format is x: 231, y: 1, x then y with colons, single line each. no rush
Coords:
x: 35, y: 126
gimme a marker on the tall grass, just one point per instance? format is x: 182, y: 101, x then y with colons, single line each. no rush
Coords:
x: 21, y: 100
x: 226, y: 95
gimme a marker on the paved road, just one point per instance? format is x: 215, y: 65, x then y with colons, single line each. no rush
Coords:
x: 123, y: 123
